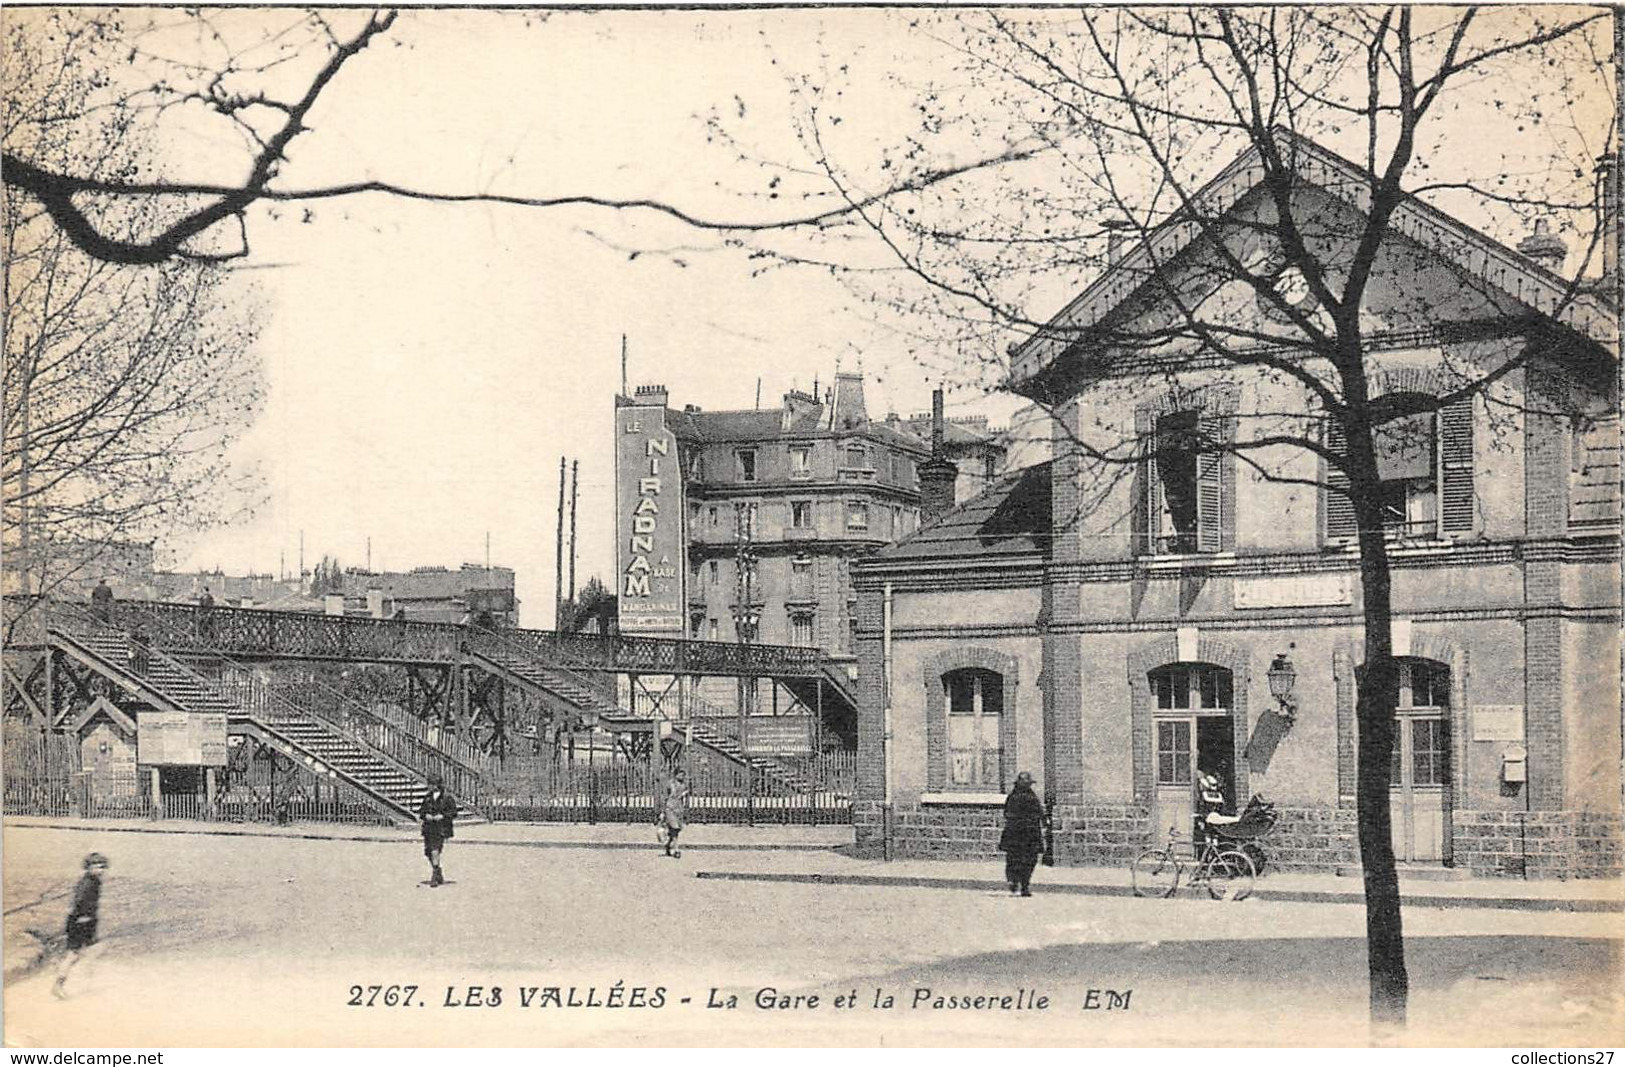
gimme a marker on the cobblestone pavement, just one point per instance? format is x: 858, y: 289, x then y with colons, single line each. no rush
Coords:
x: 237, y: 939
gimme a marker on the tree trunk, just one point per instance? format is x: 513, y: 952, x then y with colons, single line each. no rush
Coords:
x: 1374, y: 716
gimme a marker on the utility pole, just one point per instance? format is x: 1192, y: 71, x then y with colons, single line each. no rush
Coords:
x: 558, y: 557
x: 746, y: 620
x: 24, y: 447
x: 623, y: 365
x: 574, y: 463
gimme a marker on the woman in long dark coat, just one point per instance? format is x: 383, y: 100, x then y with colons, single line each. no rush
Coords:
x: 1023, y: 839
x: 435, y: 814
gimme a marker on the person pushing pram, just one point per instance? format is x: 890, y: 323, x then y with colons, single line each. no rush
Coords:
x: 1243, y: 830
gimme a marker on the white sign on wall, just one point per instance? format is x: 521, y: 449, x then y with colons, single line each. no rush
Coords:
x: 1295, y: 591
x: 1497, y: 722
x: 179, y: 738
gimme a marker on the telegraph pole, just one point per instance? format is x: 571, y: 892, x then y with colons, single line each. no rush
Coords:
x: 558, y: 557
x: 746, y: 620
x: 574, y: 463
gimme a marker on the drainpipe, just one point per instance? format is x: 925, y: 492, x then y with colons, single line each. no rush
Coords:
x: 885, y: 722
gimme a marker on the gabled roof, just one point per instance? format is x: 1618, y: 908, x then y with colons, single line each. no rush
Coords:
x: 1011, y: 517
x: 1496, y: 265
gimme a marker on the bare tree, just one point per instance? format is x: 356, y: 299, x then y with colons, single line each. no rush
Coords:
x: 1183, y: 165
x: 124, y: 386
x: 259, y: 82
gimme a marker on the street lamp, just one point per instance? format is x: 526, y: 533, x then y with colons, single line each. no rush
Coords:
x: 1283, y: 677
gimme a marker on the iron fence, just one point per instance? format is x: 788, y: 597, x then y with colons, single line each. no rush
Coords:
x: 604, y: 785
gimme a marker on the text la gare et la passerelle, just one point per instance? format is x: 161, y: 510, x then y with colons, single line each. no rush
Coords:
x: 620, y: 995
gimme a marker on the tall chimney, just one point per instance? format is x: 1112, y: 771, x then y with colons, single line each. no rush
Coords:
x: 1546, y: 248
x: 938, y: 474
x: 1116, y: 237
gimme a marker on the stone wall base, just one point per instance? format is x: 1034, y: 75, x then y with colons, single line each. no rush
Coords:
x: 1539, y: 844
x: 1557, y: 844
x: 929, y: 831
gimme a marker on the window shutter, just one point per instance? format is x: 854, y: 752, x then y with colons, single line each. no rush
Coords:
x: 1209, y: 503
x: 1456, y: 467
x: 1146, y: 509
x: 1209, y: 492
x: 1340, y: 522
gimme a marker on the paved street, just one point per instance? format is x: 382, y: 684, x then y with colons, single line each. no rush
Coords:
x: 228, y: 940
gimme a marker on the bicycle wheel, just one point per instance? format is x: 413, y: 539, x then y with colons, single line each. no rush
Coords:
x: 1230, y: 876
x: 1156, y: 873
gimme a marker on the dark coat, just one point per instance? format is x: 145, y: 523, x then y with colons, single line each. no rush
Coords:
x: 82, y: 917
x: 1023, y: 822
x: 435, y: 814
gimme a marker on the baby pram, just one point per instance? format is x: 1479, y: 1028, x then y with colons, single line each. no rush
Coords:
x: 1255, y: 821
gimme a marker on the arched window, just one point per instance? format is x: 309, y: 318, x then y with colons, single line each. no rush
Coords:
x: 1194, y: 686
x: 974, y: 698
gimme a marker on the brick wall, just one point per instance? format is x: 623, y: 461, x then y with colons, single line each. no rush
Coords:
x: 1540, y: 844
x: 948, y: 831
x: 1312, y: 839
x: 1101, y: 834
x: 1546, y: 508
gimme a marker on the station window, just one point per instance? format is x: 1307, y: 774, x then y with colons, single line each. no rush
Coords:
x: 975, y: 699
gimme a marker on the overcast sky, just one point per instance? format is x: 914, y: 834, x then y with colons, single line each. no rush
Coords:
x: 429, y: 364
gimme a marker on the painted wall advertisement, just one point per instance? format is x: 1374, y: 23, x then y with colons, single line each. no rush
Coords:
x: 179, y: 738
x: 648, y: 518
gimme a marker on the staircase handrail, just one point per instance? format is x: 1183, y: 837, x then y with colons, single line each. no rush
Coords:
x: 183, y: 625
x: 273, y: 632
x: 484, y: 642
x: 262, y: 707
x: 465, y: 782
x: 470, y: 758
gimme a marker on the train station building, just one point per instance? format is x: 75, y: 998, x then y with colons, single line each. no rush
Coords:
x: 1117, y: 630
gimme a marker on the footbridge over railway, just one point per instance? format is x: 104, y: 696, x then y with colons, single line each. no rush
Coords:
x: 380, y: 705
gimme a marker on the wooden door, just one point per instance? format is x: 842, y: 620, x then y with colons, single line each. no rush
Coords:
x: 1421, y: 772
x: 1175, y: 768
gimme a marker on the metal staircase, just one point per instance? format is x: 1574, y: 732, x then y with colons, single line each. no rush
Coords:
x: 386, y: 785
x: 525, y: 667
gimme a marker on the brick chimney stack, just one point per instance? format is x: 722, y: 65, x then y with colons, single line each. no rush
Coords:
x: 1545, y: 247
x: 937, y: 474
x: 1117, y: 235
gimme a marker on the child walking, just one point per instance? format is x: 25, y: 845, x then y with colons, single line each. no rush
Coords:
x: 82, y: 920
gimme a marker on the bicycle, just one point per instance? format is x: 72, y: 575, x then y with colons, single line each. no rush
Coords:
x: 1224, y: 868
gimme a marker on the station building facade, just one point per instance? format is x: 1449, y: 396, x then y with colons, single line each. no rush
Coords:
x: 1113, y: 634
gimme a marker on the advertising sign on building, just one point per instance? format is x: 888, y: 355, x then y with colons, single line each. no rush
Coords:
x: 179, y: 738
x: 648, y: 517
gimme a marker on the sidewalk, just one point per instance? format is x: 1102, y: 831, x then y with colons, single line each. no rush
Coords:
x: 639, y: 835
x: 821, y: 855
